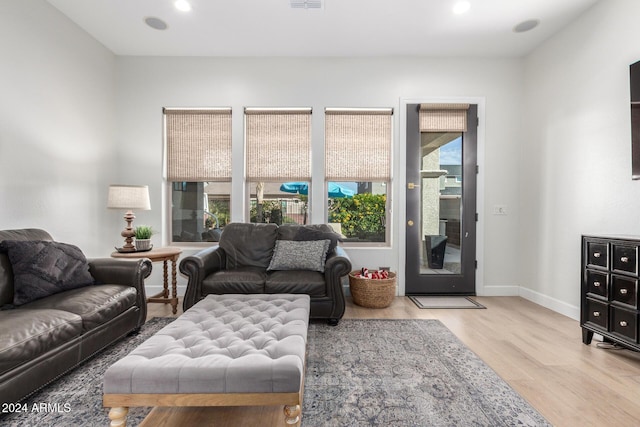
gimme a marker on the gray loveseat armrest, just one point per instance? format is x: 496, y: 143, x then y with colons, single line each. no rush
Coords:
x: 130, y: 272
x: 338, y: 265
x: 198, y: 266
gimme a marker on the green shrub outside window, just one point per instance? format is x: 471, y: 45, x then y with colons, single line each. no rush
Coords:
x: 362, y: 217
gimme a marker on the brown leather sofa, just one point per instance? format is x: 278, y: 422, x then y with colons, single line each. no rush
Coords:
x: 242, y: 264
x: 45, y: 338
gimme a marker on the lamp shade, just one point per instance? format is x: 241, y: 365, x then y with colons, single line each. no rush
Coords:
x: 129, y: 197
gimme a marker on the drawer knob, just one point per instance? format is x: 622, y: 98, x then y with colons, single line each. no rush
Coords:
x: 623, y: 323
x: 596, y: 254
x: 624, y: 259
x: 596, y: 314
x: 596, y: 284
x: 623, y: 291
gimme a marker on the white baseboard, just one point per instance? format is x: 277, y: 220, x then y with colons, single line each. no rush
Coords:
x: 499, y: 291
x: 551, y: 303
x: 546, y: 301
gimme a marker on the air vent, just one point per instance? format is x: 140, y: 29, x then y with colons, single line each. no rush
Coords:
x: 306, y: 4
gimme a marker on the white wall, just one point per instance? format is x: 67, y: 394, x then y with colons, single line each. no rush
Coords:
x: 575, y: 160
x: 56, y: 126
x: 145, y: 85
x: 75, y: 119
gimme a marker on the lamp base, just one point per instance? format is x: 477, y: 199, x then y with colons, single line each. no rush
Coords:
x: 128, y: 233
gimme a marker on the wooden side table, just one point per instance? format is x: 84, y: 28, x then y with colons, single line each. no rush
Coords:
x: 165, y: 255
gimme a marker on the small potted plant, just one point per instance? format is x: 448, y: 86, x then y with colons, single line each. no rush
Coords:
x: 143, y: 237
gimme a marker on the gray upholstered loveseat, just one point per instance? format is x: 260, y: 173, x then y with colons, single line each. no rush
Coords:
x: 267, y: 258
x: 42, y: 337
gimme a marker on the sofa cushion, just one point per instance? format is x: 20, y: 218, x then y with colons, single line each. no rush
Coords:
x: 6, y: 281
x: 293, y: 255
x: 27, y: 334
x: 94, y: 304
x: 296, y: 282
x: 42, y: 268
x: 305, y: 233
x: 244, y: 280
x: 248, y: 244
x: 6, y: 275
x: 309, y: 232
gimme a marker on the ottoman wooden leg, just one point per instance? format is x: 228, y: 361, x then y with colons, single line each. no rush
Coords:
x: 292, y: 414
x: 118, y: 416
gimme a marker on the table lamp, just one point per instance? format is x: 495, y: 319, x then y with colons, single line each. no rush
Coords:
x: 128, y: 197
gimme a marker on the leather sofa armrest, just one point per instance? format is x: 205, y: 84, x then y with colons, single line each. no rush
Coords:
x: 197, y: 267
x: 338, y: 262
x: 130, y: 272
x: 337, y: 265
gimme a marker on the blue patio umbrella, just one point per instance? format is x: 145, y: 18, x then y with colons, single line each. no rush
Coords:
x: 335, y: 190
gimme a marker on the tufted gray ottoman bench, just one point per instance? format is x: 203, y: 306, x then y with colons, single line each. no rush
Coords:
x: 227, y: 350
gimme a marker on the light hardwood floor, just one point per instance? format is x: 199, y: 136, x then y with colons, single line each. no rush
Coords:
x: 537, y: 351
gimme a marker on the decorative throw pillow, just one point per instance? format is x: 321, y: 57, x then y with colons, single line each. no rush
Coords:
x: 43, y: 268
x: 299, y: 255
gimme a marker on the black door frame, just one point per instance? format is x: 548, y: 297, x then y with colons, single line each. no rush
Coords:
x: 445, y: 284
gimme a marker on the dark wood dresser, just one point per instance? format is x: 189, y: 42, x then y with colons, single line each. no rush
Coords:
x: 609, y: 296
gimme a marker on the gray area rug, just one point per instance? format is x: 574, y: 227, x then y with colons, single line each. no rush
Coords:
x: 359, y: 373
x: 404, y: 373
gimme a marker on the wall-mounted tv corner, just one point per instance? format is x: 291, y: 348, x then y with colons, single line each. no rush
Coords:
x: 634, y: 79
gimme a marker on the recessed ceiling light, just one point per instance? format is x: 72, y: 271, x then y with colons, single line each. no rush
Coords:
x: 527, y: 25
x: 155, y: 23
x: 461, y: 7
x: 182, y: 5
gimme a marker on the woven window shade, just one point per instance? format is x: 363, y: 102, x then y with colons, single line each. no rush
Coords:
x: 443, y: 117
x: 358, y: 144
x: 278, y: 144
x: 198, y: 144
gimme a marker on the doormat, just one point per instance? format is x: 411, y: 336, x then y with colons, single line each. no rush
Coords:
x: 445, y: 302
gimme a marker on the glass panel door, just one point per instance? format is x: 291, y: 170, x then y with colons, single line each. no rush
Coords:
x: 441, y: 206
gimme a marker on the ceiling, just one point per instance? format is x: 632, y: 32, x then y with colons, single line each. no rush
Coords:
x: 339, y: 28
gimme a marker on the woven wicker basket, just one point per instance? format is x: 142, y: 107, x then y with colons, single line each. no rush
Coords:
x: 372, y: 293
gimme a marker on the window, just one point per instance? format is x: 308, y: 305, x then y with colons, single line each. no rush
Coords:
x: 281, y: 202
x: 362, y: 217
x: 358, y: 172
x: 198, y: 165
x: 278, y: 171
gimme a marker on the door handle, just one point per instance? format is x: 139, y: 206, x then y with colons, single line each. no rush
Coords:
x: 412, y: 186
x: 410, y: 223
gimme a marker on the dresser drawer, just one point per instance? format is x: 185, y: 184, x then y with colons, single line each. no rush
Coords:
x: 624, y: 323
x: 597, y: 283
x: 597, y: 313
x: 624, y: 290
x: 597, y: 254
x: 625, y: 258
